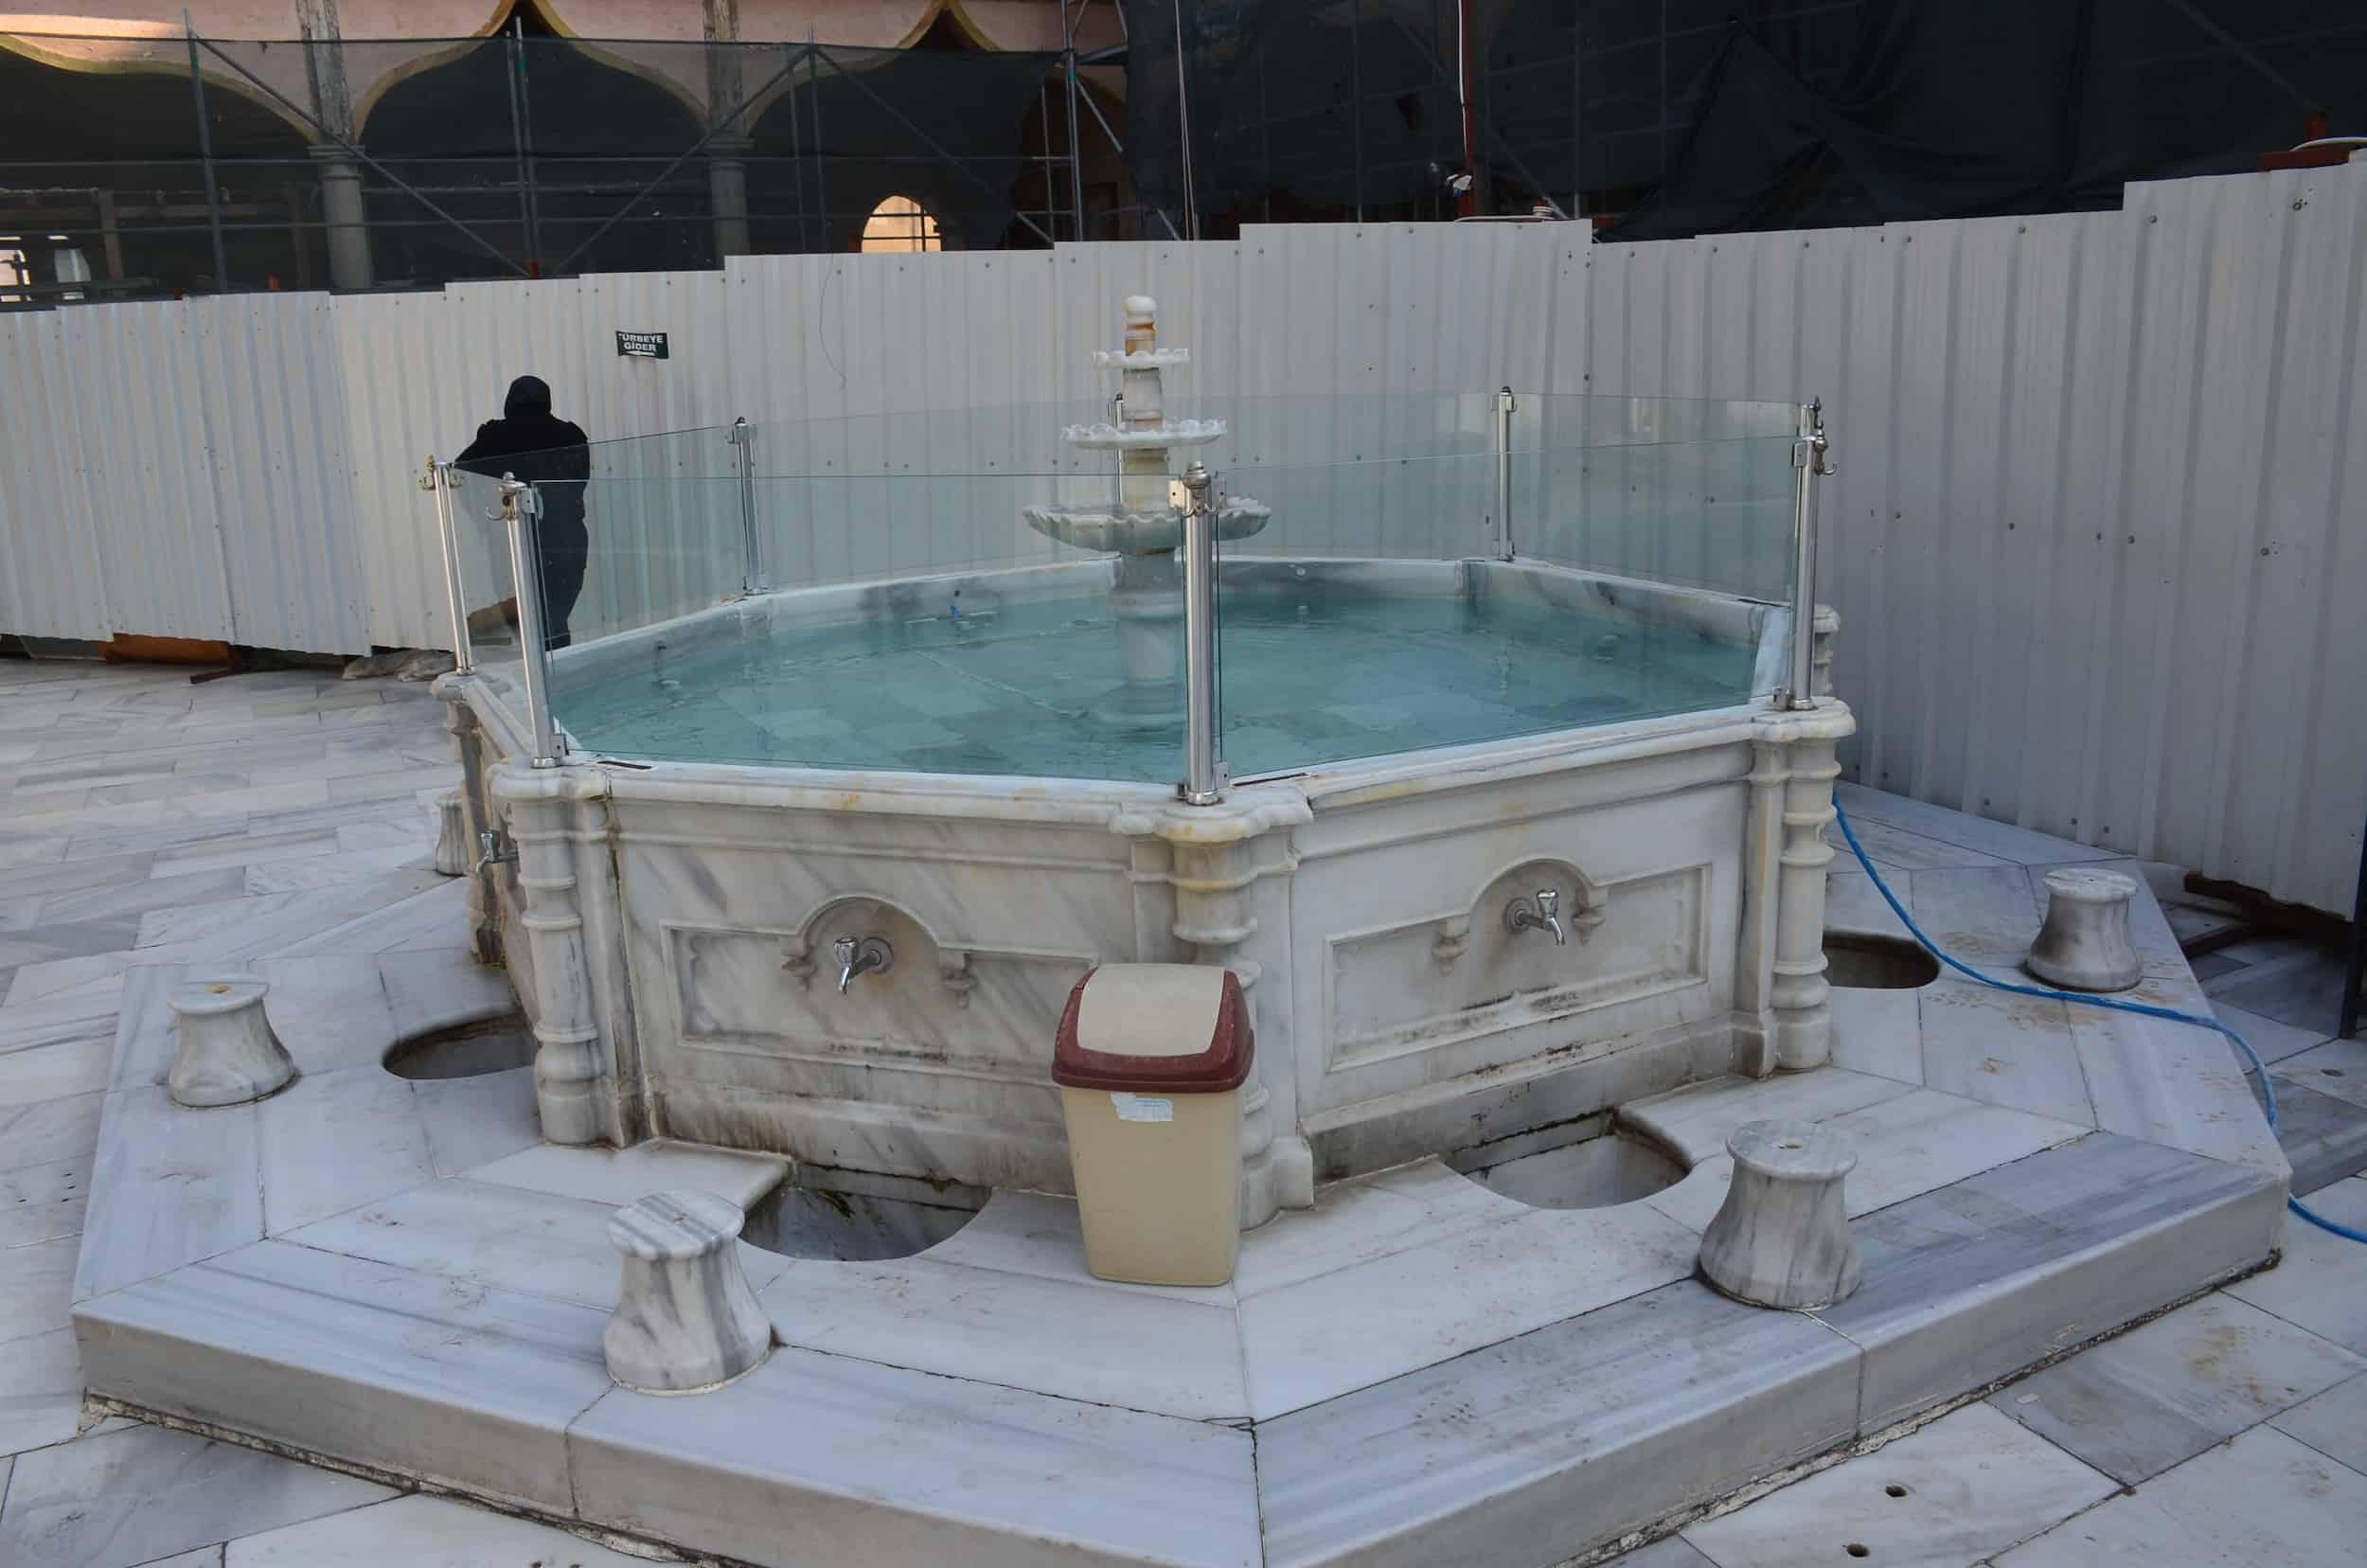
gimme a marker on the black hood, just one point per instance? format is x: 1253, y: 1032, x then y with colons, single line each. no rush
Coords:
x: 528, y: 395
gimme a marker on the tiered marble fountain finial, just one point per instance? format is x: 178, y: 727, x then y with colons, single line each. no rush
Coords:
x: 1140, y: 524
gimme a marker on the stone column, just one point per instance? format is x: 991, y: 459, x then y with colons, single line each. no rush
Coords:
x: 1215, y: 857
x: 575, y: 1076
x: 727, y: 191
x: 342, y: 206
x: 1800, y: 995
x: 346, y: 215
x: 468, y: 740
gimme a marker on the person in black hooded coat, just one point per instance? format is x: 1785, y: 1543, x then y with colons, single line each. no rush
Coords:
x: 554, y: 456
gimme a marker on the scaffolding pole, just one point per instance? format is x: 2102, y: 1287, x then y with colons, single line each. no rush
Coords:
x: 205, y: 150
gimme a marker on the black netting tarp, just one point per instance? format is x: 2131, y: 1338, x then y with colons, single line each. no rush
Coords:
x: 1676, y: 116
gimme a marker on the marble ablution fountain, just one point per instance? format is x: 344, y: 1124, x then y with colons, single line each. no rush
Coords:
x: 1516, y: 981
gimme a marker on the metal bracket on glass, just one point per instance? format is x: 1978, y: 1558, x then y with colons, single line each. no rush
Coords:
x: 1504, y: 406
x: 521, y: 508
x: 1812, y: 460
x: 741, y: 438
x: 1204, y: 782
x: 436, y: 481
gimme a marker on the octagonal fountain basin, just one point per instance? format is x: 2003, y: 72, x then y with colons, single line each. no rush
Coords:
x: 1012, y: 672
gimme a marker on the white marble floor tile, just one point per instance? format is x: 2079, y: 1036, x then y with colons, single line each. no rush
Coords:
x: 2273, y: 1040
x: 52, y: 1072
x: 2263, y: 1499
x: 93, y: 974
x: 332, y: 1141
x: 2322, y: 1282
x: 45, y: 1130
x: 1423, y: 1304
x: 437, y: 917
x: 1878, y: 1032
x: 227, y: 849
x: 330, y: 1013
x: 1359, y: 1221
x: 43, y: 1203
x: 317, y: 871
x: 2156, y: 1396
x: 1969, y: 1484
x: 115, y: 1499
x: 1696, y: 1120
x: 2338, y: 1068
x: 474, y: 1121
x: 2171, y: 1083
x: 534, y: 1243
x: 443, y: 987
x: 130, y: 901
x: 1897, y: 851
x: 2002, y: 1049
x: 1038, y: 1234
x: 280, y: 923
x: 171, y: 1185
x: 621, y: 1176
x: 36, y: 1288
x: 38, y: 881
x: 891, y: 1465
x: 2334, y: 1423
x: 55, y: 1020
x: 1999, y: 839
x: 421, y: 1532
x: 1852, y: 903
x: 1088, y: 1342
x: 41, y: 1390
x: 1985, y: 917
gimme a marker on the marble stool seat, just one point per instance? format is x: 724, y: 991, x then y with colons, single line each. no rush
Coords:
x: 227, y: 1053
x: 2085, y: 944
x: 1782, y: 1237
x: 452, y: 836
x: 686, y: 1320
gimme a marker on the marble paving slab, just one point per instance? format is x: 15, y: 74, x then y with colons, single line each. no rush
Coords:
x: 43, y: 1131
x: 2334, y: 1423
x: 1971, y: 1483
x: 1993, y: 1045
x: 1906, y: 1144
x: 1545, y: 1444
x: 2322, y: 1282
x: 53, y: 1072
x: 2167, y: 1390
x: 36, y: 1288
x: 1696, y: 1121
x: 171, y: 1185
x: 2001, y: 840
x: 463, y: 1382
x: 2323, y: 1138
x: 133, y: 1495
x: 619, y: 1176
x: 1416, y: 1307
x: 421, y: 1532
x: 41, y: 1390
x: 474, y: 1121
x: 2172, y: 1083
x: 880, y: 1465
x: 1877, y: 1031
x: 1985, y: 1276
x: 336, y: 1141
x: 43, y: 1203
x: 2336, y: 1069
x: 440, y: 988
x: 2271, y: 1041
x: 2261, y: 1499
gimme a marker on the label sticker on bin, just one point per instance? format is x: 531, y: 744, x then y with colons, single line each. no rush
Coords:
x: 1141, y: 1108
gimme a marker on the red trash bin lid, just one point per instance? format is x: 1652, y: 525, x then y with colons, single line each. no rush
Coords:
x: 1155, y: 1028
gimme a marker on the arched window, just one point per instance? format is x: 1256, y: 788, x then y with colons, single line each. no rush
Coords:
x: 900, y: 223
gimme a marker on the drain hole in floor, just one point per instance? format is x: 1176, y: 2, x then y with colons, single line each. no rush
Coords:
x: 1859, y: 960
x: 1853, y: 1549
x: 1894, y: 1490
x: 1590, y: 1168
x: 854, y: 1217
x: 465, y: 1050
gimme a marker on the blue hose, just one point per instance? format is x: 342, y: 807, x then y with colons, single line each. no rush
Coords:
x: 2267, y: 1090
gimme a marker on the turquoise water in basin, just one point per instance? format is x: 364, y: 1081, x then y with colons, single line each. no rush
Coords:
x: 1305, y: 678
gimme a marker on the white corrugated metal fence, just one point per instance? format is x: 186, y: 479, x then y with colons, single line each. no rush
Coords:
x: 2097, y: 538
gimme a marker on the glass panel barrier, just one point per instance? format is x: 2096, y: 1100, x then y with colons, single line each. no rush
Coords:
x: 488, y: 592
x: 899, y: 637
x: 1360, y: 620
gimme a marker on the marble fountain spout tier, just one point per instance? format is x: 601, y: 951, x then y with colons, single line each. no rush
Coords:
x: 1140, y: 524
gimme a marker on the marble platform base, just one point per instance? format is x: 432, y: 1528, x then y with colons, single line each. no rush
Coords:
x: 1523, y: 1385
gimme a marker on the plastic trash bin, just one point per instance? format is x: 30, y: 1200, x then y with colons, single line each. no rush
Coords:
x: 1150, y: 1059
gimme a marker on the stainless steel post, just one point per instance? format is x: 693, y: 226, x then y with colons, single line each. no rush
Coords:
x: 1503, y: 473
x: 753, y: 578
x: 438, y: 482
x: 1811, y: 462
x: 1203, y: 770
x: 521, y: 509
